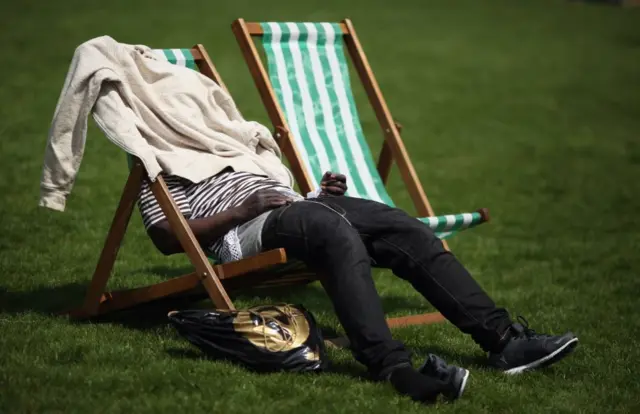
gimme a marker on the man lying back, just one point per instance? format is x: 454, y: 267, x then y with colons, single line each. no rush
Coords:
x: 238, y: 214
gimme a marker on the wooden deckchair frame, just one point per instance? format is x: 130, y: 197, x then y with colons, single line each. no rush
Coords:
x: 393, y: 148
x: 249, y: 272
x: 97, y: 301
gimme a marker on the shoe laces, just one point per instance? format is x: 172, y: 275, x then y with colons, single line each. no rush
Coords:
x: 522, y: 328
x: 437, y: 367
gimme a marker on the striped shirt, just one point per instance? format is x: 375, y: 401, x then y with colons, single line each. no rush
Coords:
x: 206, y: 198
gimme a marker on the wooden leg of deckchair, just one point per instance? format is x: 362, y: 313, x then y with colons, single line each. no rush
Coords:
x: 113, y: 241
x: 190, y: 245
x: 424, y: 319
x: 122, y: 299
x: 207, y: 68
x: 484, y: 213
x: 389, y: 127
x: 385, y: 160
x: 251, y: 267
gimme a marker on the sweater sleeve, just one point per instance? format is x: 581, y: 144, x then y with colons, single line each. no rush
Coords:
x: 67, y: 134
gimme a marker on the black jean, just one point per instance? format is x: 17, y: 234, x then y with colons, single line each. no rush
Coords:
x: 342, y: 237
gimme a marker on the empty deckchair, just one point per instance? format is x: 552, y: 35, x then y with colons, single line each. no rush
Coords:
x: 214, y: 277
x: 307, y: 93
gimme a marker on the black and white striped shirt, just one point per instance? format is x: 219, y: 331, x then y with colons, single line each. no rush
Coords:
x: 206, y: 198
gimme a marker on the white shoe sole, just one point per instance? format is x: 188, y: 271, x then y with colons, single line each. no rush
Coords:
x: 542, y: 361
x: 463, y: 385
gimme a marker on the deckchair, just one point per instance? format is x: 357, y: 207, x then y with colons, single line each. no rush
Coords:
x: 259, y: 270
x: 307, y: 94
x: 268, y: 269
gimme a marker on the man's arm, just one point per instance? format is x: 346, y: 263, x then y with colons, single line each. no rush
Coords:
x: 209, y: 229
x: 206, y: 230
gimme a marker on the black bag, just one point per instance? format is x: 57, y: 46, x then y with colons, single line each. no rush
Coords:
x: 263, y: 338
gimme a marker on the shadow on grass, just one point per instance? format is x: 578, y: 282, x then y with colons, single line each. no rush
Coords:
x: 46, y: 300
x: 167, y: 272
x: 55, y: 300
x: 340, y: 368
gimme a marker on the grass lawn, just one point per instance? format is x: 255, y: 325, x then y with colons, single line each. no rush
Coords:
x: 530, y: 108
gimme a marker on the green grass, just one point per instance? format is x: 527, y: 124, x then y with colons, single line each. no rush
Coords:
x: 530, y: 108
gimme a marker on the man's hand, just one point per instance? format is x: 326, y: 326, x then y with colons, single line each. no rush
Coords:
x: 261, y: 201
x: 333, y: 184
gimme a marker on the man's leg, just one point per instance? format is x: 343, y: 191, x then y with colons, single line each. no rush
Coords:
x: 412, y: 251
x: 327, y: 243
x: 408, y: 247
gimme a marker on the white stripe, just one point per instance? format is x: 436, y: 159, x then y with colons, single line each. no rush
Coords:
x: 467, y: 218
x: 345, y: 110
x: 325, y: 104
x: 451, y: 220
x: 160, y: 53
x: 432, y: 222
x: 181, y: 60
x: 307, y: 103
x: 287, y: 97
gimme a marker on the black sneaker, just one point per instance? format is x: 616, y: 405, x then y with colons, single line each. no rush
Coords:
x: 455, y: 377
x: 528, y: 350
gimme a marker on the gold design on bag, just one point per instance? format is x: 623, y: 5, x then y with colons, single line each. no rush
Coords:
x: 276, y: 328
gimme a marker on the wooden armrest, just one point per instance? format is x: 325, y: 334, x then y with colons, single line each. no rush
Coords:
x: 484, y: 213
x: 251, y: 264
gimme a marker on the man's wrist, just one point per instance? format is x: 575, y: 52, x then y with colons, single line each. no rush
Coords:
x: 241, y: 214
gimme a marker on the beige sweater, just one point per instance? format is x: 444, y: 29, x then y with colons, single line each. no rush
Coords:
x: 173, y: 118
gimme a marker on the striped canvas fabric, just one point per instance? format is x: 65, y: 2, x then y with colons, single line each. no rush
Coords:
x: 310, y: 76
x: 309, y: 73
x: 180, y: 57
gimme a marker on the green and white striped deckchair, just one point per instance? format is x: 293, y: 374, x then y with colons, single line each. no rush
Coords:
x: 308, y: 94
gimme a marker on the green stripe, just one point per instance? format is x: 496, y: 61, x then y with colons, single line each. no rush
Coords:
x: 191, y: 62
x: 298, y: 104
x: 272, y: 67
x: 297, y: 100
x: 319, y: 113
x: 442, y: 223
x: 171, y: 57
x: 316, y: 111
x: 337, y: 116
